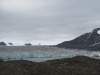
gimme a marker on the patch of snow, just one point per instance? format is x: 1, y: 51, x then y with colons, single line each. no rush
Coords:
x: 97, y: 38
x: 88, y: 37
x: 78, y: 40
x: 85, y: 40
x: 95, y: 44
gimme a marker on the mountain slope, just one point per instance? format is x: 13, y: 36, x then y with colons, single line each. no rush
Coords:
x: 2, y: 43
x: 89, y: 40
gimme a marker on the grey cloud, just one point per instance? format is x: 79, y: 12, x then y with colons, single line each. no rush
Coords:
x: 54, y: 20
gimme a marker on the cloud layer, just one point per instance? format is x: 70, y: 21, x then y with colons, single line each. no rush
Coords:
x: 47, y: 21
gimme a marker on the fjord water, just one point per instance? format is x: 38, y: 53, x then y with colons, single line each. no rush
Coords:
x: 42, y: 53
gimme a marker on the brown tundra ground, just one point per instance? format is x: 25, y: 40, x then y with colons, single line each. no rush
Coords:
x: 79, y: 65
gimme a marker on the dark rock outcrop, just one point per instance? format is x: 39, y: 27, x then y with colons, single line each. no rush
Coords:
x: 2, y: 43
x: 89, y: 40
x: 10, y: 43
x: 28, y: 44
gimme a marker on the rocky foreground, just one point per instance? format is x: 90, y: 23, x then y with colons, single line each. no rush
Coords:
x: 79, y: 65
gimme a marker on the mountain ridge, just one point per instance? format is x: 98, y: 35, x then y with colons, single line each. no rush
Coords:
x: 89, y: 40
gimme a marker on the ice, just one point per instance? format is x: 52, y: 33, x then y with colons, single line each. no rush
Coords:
x: 25, y: 52
x: 96, y: 55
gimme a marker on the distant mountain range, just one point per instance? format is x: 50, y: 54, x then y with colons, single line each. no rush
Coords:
x: 28, y: 44
x: 89, y: 40
x: 10, y: 44
x: 2, y: 43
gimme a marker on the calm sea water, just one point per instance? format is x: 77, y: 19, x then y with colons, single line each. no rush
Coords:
x: 42, y: 53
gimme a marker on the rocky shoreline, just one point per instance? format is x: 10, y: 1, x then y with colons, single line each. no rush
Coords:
x: 79, y: 65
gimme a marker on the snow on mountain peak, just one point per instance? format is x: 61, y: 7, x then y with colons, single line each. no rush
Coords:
x: 85, y: 41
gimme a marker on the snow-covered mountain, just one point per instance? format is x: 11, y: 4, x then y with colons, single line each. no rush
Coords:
x: 89, y: 40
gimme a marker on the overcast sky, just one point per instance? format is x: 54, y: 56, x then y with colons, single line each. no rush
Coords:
x: 47, y: 21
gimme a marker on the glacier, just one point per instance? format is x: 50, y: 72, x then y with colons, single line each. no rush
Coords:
x: 43, y: 52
